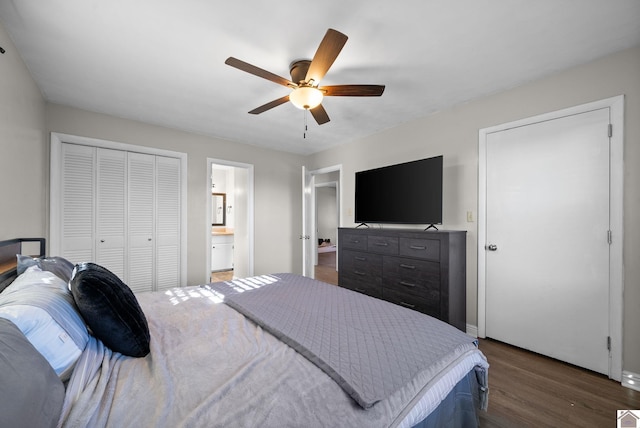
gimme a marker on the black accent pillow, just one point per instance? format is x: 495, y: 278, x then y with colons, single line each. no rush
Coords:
x: 110, y: 309
x: 31, y: 392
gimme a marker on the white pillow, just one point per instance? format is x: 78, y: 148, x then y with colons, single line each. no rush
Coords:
x: 60, y: 343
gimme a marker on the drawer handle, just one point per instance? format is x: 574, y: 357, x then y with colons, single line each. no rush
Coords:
x: 402, y: 265
x: 407, y: 284
x: 357, y: 272
x: 360, y: 258
x: 382, y: 244
x: 417, y: 247
x: 408, y: 305
x: 355, y: 241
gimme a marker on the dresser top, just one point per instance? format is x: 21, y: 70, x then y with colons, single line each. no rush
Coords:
x: 397, y: 231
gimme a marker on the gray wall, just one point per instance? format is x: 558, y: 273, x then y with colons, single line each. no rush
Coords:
x: 24, y: 159
x: 454, y: 133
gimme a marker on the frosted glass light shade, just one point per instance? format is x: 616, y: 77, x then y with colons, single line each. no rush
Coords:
x: 305, y: 97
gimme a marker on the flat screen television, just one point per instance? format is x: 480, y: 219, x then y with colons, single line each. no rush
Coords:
x: 406, y: 193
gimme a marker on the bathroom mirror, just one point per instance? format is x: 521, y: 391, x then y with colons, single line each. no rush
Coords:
x: 219, y: 208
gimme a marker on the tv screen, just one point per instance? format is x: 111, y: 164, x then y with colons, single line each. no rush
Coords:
x: 407, y: 193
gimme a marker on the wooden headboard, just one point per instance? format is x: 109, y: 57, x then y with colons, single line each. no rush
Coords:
x: 8, y: 251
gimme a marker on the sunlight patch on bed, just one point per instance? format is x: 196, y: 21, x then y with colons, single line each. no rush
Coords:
x: 180, y: 295
x: 246, y: 284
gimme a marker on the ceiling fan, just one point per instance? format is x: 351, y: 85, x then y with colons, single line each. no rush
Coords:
x: 305, y: 79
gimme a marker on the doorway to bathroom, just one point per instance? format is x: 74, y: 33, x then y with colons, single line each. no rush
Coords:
x: 230, y: 220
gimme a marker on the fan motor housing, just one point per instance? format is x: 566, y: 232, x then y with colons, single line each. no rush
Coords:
x: 298, y: 70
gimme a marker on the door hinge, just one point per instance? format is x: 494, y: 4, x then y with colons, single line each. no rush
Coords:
x: 609, y: 343
x: 609, y: 238
x: 610, y: 130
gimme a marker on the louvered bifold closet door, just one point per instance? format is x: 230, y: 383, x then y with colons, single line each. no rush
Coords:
x: 167, y: 222
x: 78, y: 202
x: 141, y: 230
x: 111, y: 210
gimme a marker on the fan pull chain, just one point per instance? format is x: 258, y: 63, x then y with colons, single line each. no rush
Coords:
x: 304, y: 134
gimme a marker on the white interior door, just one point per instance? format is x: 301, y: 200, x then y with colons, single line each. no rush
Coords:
x: 167, y: 231
x: 75, y: 225
x: 547, y: 225
x: 308, y: 221
x: 142, y: 196
x: 111, y: 210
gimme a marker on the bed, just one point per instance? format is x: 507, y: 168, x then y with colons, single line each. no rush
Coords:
x: 273, y: 350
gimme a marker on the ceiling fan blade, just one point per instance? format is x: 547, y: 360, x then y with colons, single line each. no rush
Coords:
x: 320, y: 114
x: 327, y: 52
x: 257, y: 71
x: 270, y: 105
x: 352, y: 90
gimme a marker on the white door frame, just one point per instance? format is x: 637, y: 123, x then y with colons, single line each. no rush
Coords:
x: 250, y: 211
x: 309, y: 237
x: 616, y: 106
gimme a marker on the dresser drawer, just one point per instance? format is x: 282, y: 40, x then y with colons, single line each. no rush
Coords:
x: 361, y: 260
x: 412, y: 283
x: 369, y: 286
x: 361, y: 272
x: 354, y: 241
x: 383, y: 244
x: 429, y: 305
x: 428, y: 249
x: 419, y: 275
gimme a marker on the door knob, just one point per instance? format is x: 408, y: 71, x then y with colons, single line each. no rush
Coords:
x: 492, y: 247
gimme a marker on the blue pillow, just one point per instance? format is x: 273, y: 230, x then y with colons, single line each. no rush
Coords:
x: 41, y: 306
x: 110, y: 309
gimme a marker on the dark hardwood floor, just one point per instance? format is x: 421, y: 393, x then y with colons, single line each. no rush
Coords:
x: 531, y: 390
x: 325, y: 270
x: 225, y: 275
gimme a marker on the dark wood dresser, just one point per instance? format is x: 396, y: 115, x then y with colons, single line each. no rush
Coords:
x: 422, y: 270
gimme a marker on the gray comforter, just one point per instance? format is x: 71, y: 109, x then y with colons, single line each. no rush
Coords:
x: 210, y: 366
x: 370, y: 347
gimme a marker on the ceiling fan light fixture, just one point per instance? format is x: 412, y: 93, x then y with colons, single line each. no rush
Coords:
x: 306, y: 97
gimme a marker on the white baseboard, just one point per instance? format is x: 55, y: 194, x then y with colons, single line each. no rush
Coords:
x: 631, y: 380
x: 472, y: 330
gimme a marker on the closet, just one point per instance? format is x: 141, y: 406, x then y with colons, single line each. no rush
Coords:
x: 119, y: 208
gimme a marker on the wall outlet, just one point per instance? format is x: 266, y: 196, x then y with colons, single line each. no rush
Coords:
x: 469, y: 216
x: 349, y: 212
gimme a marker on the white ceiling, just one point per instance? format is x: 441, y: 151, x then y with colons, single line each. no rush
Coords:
x: 162, y: 62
